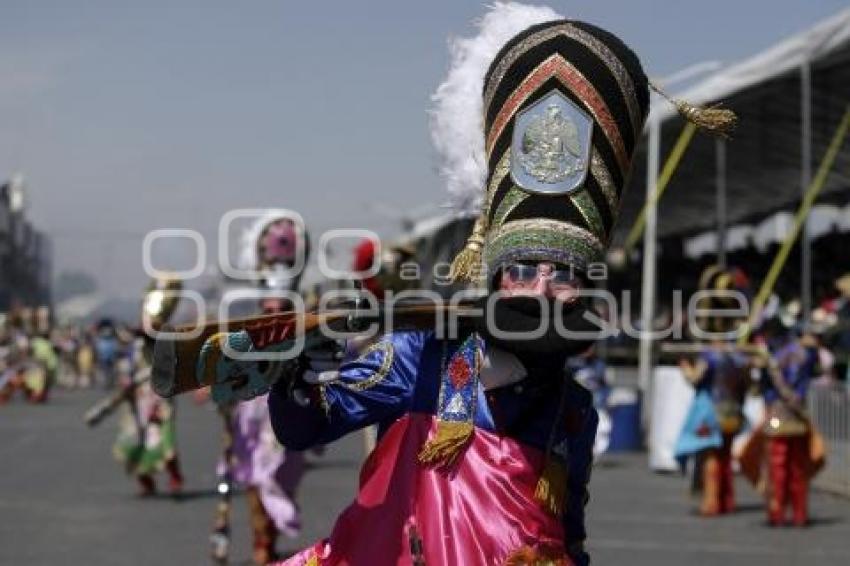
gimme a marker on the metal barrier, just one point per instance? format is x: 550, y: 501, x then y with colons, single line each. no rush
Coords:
x: 830, y: 412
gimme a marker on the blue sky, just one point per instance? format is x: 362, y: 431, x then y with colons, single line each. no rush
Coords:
x: 129, y: 116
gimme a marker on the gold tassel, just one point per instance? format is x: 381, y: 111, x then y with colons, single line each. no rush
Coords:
x: 448, y: 442
x: 312, y: 561
x: 713, y: 119
x: 551, y: 488
x: 467, y: 264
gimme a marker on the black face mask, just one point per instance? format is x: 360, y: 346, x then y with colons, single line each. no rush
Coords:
x: 529, y: 314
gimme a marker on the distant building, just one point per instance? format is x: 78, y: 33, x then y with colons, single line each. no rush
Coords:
x: 25, y: 253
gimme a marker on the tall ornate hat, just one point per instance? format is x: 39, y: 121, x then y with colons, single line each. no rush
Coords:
x: 725, y: 286
x: 552, y: 111
x: 275, y: 247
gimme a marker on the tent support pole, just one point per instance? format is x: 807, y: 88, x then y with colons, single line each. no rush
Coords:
x: 670, y: 166
x: 722, y: 225
x: 812, y: 192
x: 805, y: 180
x: 649, y: 258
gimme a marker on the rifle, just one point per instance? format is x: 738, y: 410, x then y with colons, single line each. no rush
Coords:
x: 108, y: 404
x: 185, y: 358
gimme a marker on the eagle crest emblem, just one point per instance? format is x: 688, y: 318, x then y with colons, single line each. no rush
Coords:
x: 551, y: 146
x: 551, y: 151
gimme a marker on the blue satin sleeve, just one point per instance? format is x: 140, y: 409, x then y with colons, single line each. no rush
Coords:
x: 581, y: 462
x: 706, y: 382
x: 376, y: 387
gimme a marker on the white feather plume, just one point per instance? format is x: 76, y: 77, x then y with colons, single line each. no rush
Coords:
x: 457, y: 119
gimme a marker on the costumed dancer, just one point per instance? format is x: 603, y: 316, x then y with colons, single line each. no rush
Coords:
x: 24, y: 371
x: 85, y: 359
x: 147, y: 439
x: 720, y: 379
x: 275, y: 248
x: 14, y: 365
x: 44, y: 354
x: 106, y: 349
x: 485, y: 444
x: 714, y: 419
x: 66, y: 346
x: 791, y: 460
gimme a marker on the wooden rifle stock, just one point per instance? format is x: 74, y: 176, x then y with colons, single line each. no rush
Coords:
x: 178, y: 351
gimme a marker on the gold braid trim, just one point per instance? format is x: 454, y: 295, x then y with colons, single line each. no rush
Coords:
x: 389, y: 352
x: 585, y: 204
x: 514, y: 197
x: 606, y: 182
x: 323, y: 400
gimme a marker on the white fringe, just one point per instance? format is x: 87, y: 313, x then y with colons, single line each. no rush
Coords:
x: 457, y: 119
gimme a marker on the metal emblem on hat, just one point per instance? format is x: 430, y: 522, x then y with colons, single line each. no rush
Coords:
x: 550, y: 149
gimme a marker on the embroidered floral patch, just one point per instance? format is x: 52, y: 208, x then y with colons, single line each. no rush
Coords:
x: 459, y: 383
x: 459, y: 371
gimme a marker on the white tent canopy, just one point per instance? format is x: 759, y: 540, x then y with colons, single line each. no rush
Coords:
x: 764, y: 157
x: 788, y: 55
x: 823, y: 220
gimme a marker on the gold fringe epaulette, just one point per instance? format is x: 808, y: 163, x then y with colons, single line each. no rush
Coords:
x: 449, y: 440
x: 551, y: 488
x: 528, y: 556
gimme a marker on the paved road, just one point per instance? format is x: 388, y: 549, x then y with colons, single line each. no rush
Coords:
x: 64, y: 501
x: 637, y: 517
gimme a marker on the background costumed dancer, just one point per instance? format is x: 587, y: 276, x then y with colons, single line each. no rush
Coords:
x: 720, y: 379
x: 794, y: 450
x: 147, y: 439
x: 273, y: 248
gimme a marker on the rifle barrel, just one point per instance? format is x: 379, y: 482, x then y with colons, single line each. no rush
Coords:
x: 108, y: 404
x: 177, y: 352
